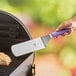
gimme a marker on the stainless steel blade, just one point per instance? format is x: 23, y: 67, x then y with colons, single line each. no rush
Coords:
x: 30, y: 46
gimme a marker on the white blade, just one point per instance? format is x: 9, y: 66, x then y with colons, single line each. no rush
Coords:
x: 27, y: 47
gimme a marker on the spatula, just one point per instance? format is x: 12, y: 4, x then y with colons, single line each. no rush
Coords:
x: 36, y: 44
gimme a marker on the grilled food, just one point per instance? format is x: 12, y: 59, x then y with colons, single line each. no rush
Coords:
x: 4, y: 59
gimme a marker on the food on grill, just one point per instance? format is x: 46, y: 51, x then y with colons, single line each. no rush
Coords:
x: 4, y: 59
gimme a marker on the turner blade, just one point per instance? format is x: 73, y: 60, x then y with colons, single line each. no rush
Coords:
x: 28, y: 47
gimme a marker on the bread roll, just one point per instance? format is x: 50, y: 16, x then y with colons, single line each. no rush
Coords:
x: 4, y: 59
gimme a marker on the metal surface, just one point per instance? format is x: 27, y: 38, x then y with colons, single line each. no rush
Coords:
x: 27, y: 47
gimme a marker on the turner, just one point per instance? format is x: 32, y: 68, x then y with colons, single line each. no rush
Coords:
x: 36, y: 44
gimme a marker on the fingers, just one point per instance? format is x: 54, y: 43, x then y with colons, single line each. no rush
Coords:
x: 68, y: 24
x: 67, y: 33
x: 64, y: 25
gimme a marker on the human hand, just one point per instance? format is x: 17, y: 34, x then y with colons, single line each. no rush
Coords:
x: 67, y: 24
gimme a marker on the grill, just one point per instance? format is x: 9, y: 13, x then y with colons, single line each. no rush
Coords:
x: 13, y: 31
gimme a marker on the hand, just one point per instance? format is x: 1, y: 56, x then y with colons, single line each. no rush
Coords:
x: 67, y: 24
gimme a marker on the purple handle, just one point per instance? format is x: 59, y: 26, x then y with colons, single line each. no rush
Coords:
x: 57, y: 33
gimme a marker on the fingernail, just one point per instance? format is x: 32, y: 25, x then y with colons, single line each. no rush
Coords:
x: 57, y: 29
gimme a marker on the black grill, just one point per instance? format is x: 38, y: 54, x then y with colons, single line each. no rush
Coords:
x: 13, y: 31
